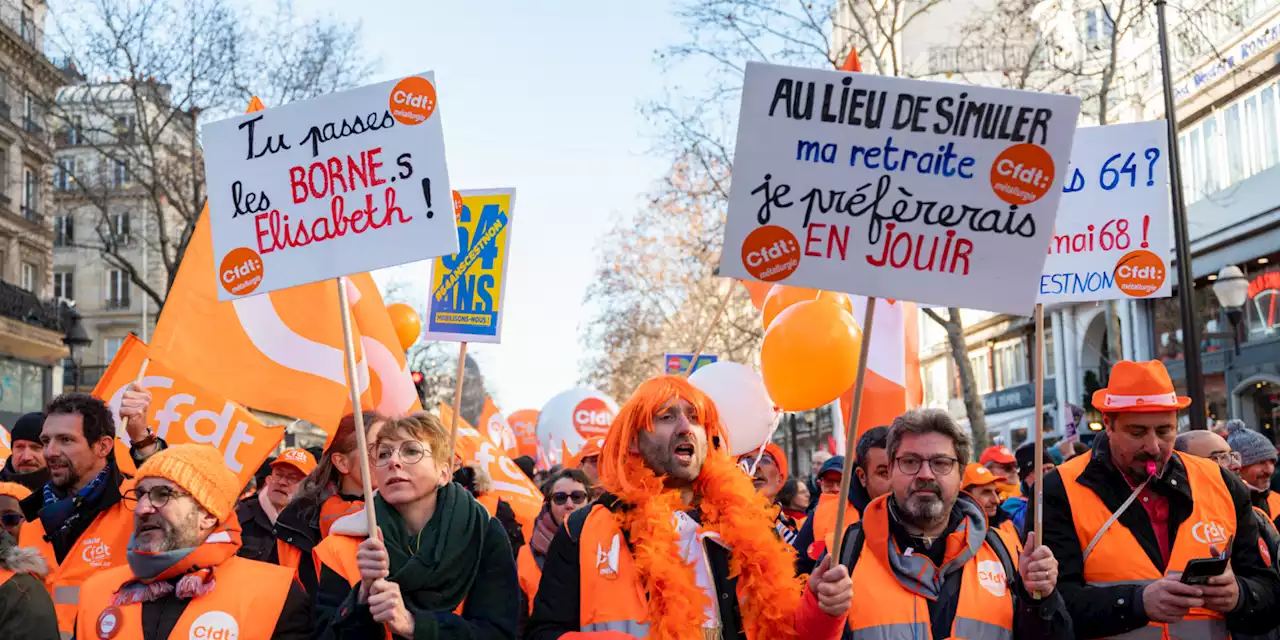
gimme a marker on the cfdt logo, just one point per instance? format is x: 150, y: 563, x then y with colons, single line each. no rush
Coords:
x: 592, y: 417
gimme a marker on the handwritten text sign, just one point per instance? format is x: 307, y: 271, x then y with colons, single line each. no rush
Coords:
x: 1113, y: 236
x: 346, y: 183
x: 933, y: 192
x: 467, y: 287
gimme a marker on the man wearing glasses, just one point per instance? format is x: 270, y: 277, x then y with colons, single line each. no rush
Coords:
x: 925, y: 560
x: 257, y: 513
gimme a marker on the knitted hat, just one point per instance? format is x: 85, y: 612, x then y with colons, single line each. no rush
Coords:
x: 199, y: 470
x: 14, y: 490
x: 28, y: 428
x: 1252, y: 446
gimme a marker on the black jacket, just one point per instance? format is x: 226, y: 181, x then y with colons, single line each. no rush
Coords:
x: 1107, y: 611
x: 858, y: 497
x: 489, y: 612
x: 34, y: 480
x: 556, y: 607
x: 1259, y: 500
x: 299, y: 525
x: 256, y: 532
x: 26, y: 611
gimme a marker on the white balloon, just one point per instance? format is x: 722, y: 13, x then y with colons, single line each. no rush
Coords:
x: 573, y: 416
x: 746, y: 410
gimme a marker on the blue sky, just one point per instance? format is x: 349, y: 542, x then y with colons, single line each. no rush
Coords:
x: 543, y: 97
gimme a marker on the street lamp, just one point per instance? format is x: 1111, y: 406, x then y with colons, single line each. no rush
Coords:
x: 1232, y: 288
x: 76, y: 340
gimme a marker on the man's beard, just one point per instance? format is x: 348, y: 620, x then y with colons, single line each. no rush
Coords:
x: 182, y: 535
x: 70, y: 477
x: 923, y: 508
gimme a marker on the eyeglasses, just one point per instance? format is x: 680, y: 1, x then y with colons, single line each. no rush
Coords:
x: 410, y: 453
x: 12, y: 519
x: 1226, y: 458
x: 939, y: 465
x: 560, y: 497
x: 159, y: 496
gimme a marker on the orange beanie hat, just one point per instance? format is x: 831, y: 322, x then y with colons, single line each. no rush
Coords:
x: 200, y: 470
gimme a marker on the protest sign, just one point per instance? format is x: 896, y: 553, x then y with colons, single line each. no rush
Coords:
x: 678, y: 363
x: 495, y: 427
x: 345, y: 183
x: 467, y: 288
x: 931, y: 192
x: 182, y: 411
x: 1114, y: 231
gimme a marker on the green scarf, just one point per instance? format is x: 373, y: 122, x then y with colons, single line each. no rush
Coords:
x: 436, y: 568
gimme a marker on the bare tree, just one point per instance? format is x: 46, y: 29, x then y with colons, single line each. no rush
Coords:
x: 974, y: 409
x: 144, y: 75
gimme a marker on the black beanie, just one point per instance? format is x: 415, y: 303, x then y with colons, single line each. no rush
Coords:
x: 28, y: 428
x: 1026, y: 457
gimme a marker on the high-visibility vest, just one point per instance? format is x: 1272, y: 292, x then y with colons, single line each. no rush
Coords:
x: 5, y: 575
x: 529, y: 572
x: 246, y: 602
x: 102, y: 546
x: 985, y: 608
x: 1119, y: 559
x: 1273, y: 505
x: 824, y: 519
x: 1009, y: 534
x: 490, y: 503
x: 611, y: 597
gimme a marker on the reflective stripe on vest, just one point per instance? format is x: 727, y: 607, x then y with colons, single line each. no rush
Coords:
x: 901, y: 631
x: 245, y: 604
x: 101, y: 546
x: 611, y: 596
x: 1118, y: 558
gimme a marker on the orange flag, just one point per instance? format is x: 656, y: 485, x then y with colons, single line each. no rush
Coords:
x: 509, y: 482
x: 525, y: 423
x: 283, y: 351
x: 6, y: 447
x: 498, y: 430
x: 893, y: 367
x: 183, y: 412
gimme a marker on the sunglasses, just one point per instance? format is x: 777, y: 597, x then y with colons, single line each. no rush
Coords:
x: 12, y: 519
x: 560, y: 497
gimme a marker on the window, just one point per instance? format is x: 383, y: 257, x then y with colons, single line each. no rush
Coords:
x: 117, y: 289
x: 122, y: 178
x: 111, y: 346
x: 1212, y: 157
x: 27, y: 27
x: 1048, y: 352
x: 1011, y: 364
x: 124, y: 128
x: 1270, y: 140
x: 4, y: 174
x: 75, y: 133
x: 1097, y: 27
x: 120, y: 226
x: 64, y: 285
x: 30, y: 191
x: 65, y: 178
x: 63, y: 231
x: 981, y: 371
x: 1232, y: 144
x: 1235, y: 145
x: 28, y: 277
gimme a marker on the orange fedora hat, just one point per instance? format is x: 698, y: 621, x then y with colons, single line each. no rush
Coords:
x: 1139, y: 387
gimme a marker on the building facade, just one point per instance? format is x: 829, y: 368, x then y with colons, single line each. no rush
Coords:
x: 32, y: 324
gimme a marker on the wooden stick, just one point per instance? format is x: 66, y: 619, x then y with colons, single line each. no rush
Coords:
x: 851, y: 430
x: 1038, y: 493
x: 353, y: 385
x: 693, y: 364
x: 457, y: 400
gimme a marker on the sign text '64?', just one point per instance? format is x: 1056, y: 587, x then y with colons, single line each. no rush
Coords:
x: 932, y: 192
x: 345, y: 183
x: 677, y: 363
x: 1113, y: 236
x: 468, y: 287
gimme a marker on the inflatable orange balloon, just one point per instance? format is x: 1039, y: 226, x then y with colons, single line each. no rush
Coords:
x: 406, y: 322
x: 810, y: 355
x: 840, y: 299
x: 780, y: 297
x: 758, y: 292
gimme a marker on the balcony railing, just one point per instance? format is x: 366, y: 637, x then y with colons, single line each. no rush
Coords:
x: 22, y: 23
x: 116, y: 303
x: 24, y: 306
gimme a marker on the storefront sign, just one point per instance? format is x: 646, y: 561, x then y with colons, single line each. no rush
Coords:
x: 1017, y: 397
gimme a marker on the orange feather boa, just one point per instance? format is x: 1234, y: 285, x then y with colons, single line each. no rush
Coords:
x: 743, y: 519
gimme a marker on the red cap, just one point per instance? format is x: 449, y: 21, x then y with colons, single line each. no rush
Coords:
x: 999, y: 454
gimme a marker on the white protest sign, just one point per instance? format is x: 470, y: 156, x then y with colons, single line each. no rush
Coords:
x: 1114, y: 230
x: 932, y: 192
x: 342, y: 184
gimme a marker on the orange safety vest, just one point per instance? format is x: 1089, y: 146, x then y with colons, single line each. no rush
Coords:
x: 245, y: 604
x: 824, y: 519
x: 1009, y: 534
x: 490, y: 503
x: 1273, y: 505
x: 529, y: 573
x: 1119, y: 559
x: 985, y: 607
x: 102, y: 546
x: 611, y: 597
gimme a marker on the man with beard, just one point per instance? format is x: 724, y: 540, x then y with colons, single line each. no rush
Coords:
x: 1126, y: 518
x: 871, y: 472
x: 78, y: 522
x: 184, y: 579
x: 678, y: 514
x: 1257, y: 465
x: 770, y: 474
x: 258, y: 513
x: 927, y: 557
x: 26, y: 465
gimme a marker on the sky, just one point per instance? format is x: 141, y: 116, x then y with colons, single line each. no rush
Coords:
x: 545, y: 101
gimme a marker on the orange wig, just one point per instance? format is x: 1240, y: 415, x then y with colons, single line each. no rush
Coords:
x: 731, y: 508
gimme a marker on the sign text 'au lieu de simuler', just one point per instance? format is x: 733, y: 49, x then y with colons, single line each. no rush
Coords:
x: 345, y: 183
x: 933, y: 192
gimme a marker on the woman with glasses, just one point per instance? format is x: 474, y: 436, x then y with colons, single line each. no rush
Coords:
x: 563, y: 493
x: 438, y: 567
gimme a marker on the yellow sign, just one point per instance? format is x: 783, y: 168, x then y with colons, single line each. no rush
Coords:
x: 467, y: 288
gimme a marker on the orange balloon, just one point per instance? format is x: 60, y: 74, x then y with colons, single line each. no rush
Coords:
x: 840, y: 299
x: 780, y: 297
x: 406, y: 322
x: 758, y: 291
x: 810, y: 355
